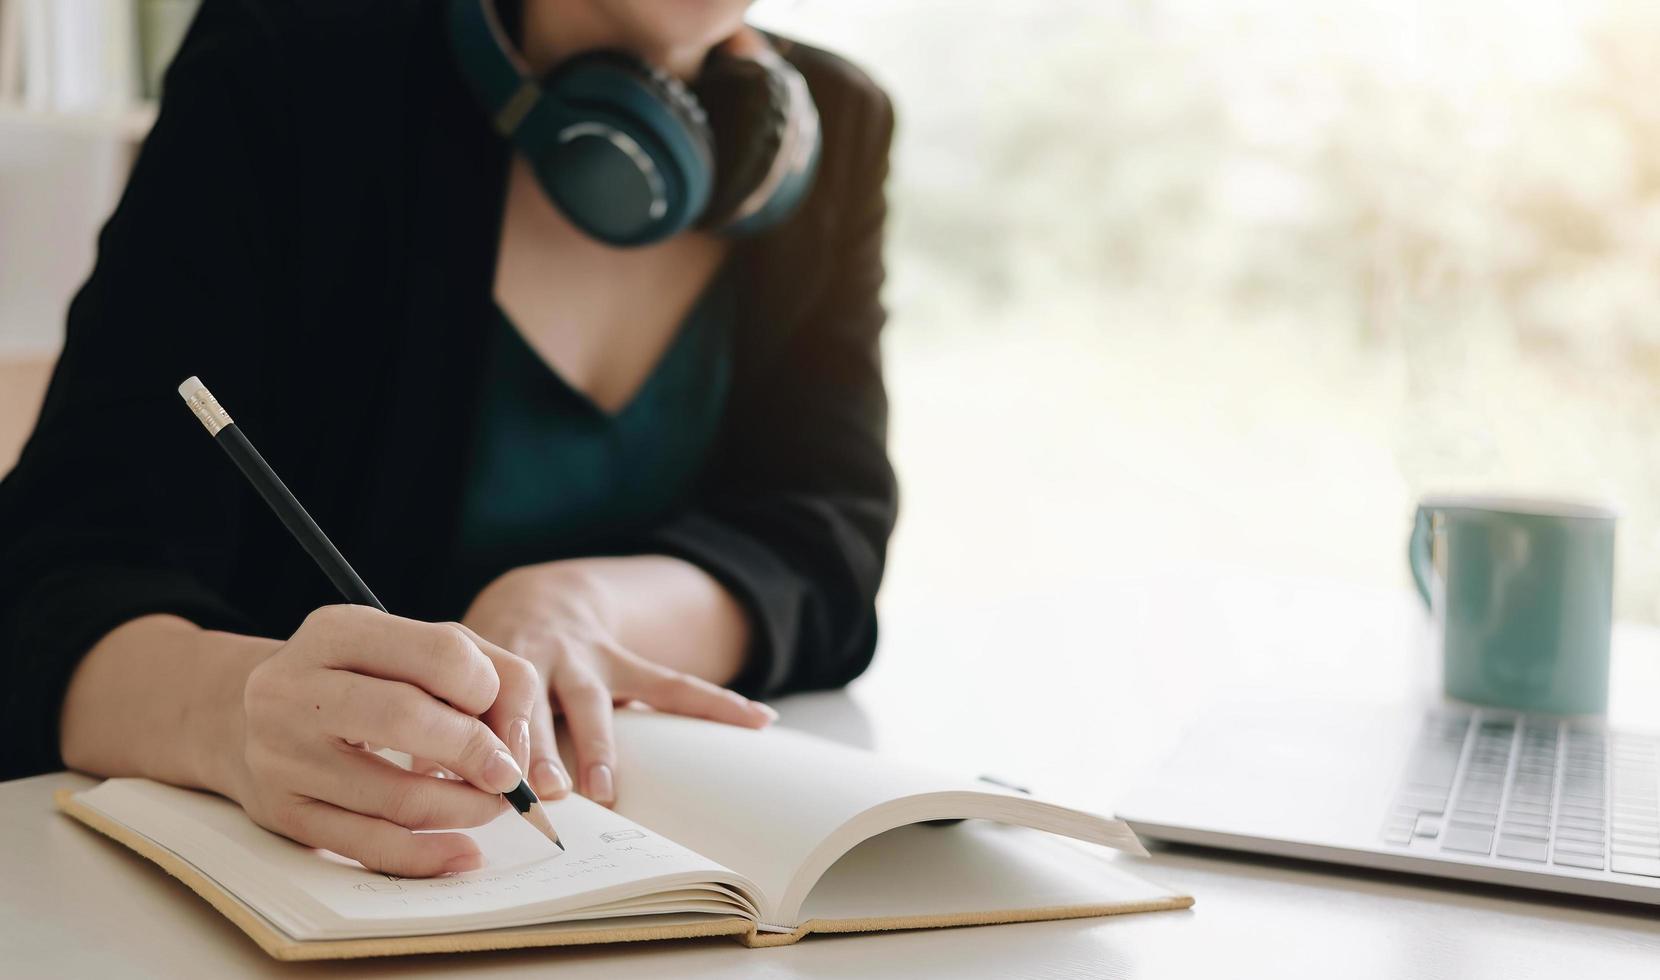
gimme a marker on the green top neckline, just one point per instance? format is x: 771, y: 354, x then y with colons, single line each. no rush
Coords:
x: 550, y: 474
x: 683, y: 336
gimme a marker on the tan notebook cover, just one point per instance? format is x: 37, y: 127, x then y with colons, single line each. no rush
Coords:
x: 665, y: 869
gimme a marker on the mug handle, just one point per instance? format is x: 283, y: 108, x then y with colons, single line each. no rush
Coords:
x: 1418, y: 551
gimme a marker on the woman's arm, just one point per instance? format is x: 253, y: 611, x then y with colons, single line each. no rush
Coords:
x: 117, y: 509
x: 674, y: 613
x: 160, y: 674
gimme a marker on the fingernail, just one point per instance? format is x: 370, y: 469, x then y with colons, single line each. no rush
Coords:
x: 518, y: 738
x: 436, y: 772
x: 548, y: 781
x: 766, y: 711
x: 501, y: 773
x: 599, y: 783
x: 466, y: 862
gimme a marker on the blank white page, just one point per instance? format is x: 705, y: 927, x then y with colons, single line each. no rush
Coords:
x: 972, y: 868
x: 762, y: 802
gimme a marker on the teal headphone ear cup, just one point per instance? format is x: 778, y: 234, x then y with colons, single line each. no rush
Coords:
x: 623, y: 150
x: 626, y: 152
x: 766, y: 135
x: 743, y: 105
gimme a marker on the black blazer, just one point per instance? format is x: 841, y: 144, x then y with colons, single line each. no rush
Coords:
x: 311, y: 227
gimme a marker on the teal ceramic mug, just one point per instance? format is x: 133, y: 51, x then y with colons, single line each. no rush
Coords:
x: 1523, y: 594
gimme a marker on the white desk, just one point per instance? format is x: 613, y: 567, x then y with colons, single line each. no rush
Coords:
x: 1075, y: 695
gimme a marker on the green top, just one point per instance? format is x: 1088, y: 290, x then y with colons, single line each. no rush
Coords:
x: 550, y: 470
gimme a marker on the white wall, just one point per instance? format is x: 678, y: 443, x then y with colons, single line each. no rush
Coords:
x: 56, y: 189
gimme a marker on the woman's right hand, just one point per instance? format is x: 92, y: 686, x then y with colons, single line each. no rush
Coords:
x: 352, y: 676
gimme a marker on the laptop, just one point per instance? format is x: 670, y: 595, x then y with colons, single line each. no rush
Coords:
x: 1558, y: 804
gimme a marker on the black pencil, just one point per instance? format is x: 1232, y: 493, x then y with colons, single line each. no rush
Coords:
x: 316, y: 544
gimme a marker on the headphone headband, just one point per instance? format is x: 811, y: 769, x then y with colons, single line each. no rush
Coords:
x: 499, y: 76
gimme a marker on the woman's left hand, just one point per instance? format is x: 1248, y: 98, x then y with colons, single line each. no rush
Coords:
x: 562, y: 618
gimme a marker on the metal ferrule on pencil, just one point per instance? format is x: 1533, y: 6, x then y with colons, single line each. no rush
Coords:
x: 207, y: 408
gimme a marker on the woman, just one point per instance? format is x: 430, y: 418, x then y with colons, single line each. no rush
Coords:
x: 652, y: 473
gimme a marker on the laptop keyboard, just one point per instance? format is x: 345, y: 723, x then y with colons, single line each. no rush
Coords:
x: 1532, y: 789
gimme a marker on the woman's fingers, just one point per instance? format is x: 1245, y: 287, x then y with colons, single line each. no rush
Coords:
x: 586, y: 702
x: 683, y: 694
x: 355, y: 708
x: 519, y: 688
x: 442, y: 659
x: 426, y: 767
x: 379, y: 845
x: 523, y: 719
x: 547, y: 771
x: 367, y: 784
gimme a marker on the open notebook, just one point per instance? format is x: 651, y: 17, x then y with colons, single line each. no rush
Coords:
x: 762, y: 835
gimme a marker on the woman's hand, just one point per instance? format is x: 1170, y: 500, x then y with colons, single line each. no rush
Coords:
x: 352, y: 677
x: 567, y: 618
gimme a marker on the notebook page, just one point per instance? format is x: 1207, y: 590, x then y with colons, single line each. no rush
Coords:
x: 777, y: 805
x: 314, y: 894
x: 758, y: 802
x: 971, y: 869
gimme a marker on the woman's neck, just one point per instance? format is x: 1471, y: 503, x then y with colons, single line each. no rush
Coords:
x: 557, y: 29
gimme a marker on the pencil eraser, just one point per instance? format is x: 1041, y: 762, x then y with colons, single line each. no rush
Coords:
x: 206, y: 407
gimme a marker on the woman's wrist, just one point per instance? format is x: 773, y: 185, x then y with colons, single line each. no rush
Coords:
x: 160, y: 697
x: 523, y: 608
x: 680, y: 616
x: 664, y: 609
x: 221, y: 765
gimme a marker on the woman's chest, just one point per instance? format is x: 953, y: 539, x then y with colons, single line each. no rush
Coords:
x: 600, y: 317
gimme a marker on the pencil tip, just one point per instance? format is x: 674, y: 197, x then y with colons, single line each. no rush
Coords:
x: 540, y: 821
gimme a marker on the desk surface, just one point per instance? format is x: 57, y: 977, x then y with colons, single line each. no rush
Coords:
x: 1077, y: 695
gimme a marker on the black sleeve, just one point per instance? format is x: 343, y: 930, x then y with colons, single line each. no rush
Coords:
x: 795, y: 516
x: 116, y: 508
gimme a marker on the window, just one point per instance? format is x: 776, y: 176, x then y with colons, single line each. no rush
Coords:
x: 1221, y: 281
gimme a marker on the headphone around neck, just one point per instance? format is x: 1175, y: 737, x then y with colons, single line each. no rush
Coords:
x: 632, y: 156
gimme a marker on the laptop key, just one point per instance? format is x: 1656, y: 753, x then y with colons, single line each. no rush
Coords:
x: 1580, y: 822
x: 1636, y: 865
x: 1522, y: 848
x: 1568, y: 844
x: 1467, y: 839
x: 1635, y: 850
x: 1569, y: 859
